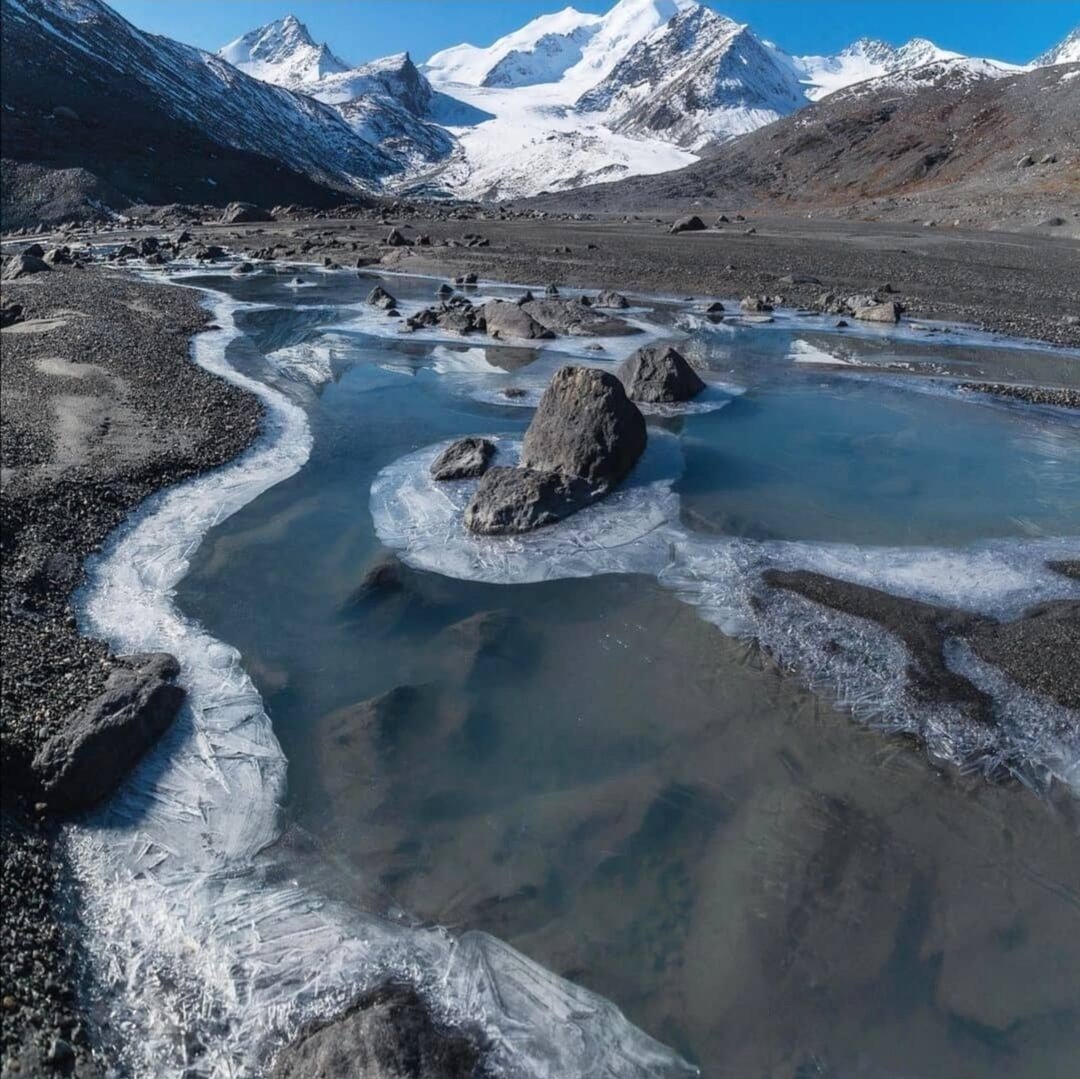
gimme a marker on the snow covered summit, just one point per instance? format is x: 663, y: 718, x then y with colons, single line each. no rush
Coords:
x: 282, y: 52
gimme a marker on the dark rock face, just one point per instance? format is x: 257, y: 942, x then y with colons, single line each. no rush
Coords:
x: 511, y: 320
x: 511, y: 500
x: 690, y: 223
x: 585, y: 426
x: 379, y: 297
x: 659, y: 373
x: 387, y: 1034
x: 464, y: 459
x: 242, y: 213
x: 576, y: 319
x: 23, y: 266
x: 86, y: 760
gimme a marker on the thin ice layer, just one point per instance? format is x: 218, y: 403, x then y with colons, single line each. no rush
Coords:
x: 205, y: 955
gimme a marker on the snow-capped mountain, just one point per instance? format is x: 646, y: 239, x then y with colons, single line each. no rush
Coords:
x: 1065, y: 52
x: 699, y: 79
x: 86, y: 40
x: 284, y: 53
x: 864, y: 59
x: 388, y: 103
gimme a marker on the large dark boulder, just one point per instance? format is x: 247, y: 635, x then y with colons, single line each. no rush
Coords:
x: 659, y: 373
x: 690, y: 223
x: 505, y: 320
x: 379, y: 297
x: 87, y: 759
x: 585, y: 426
x: 511, y: 500
x: 386, y: 1034
x: 23, y: 266
x: 243, y: 213
x: 464, y: 459
x: 576, y: 319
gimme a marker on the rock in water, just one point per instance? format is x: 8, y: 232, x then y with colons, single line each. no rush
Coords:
x: 504, y: 319
x: 241, y: 213
x: 464, y: 459
x: 659, y: 373
x: 585, y: 426
x: 614, y: 301
x: 512, y: 500
x: 86, y: 760
x: 690, y: 223
x: 577, y: 319
x: 379, y: 297
x: 387, y: 1034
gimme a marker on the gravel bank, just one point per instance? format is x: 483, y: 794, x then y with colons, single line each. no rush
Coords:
x: 101, y: 407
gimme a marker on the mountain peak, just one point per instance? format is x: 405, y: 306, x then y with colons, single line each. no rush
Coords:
x: 282, y: 52
x: 1065, y: 52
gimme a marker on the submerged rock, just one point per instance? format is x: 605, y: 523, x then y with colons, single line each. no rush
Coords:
x: 86, y: 760
x: 505, y: 319
x: 464, y: 459
x: 659, y: 373
x: 386, y: 1034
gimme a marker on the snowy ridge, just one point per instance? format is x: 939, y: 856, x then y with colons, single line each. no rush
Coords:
x: 1065, y: 52
x: 282, y: 52
x: 202, y: 90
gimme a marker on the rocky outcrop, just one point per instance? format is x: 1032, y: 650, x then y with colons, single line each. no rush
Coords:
x: 456, y: 315
x: 505, y: 320
x: 659, y: 373
x: 464, y: 459
x: 87, y: 759
x: 387, y: 1034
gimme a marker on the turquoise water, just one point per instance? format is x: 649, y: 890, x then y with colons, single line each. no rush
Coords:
x: 593, y: 772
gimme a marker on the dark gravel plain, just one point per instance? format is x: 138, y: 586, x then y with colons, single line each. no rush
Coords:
x: 101, y: 407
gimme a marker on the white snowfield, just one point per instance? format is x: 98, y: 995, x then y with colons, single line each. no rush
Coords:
x: 573, y: 98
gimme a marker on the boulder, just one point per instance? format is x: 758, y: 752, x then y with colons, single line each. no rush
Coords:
x: 510, y: 500
x: 10, y: 313
x: 464, y: 459
x: 396, y: 238
x: 879, y: 312
x: 465, y: 279
x: 552, y: 291
x: 613, y: 301
x: 690, y: 223
x: 585, y: 426
x: 444, y: 291
x: 715, y: 308
x: 755, y: 303
x: 379, y: 297
x: 576, y: 319
x: 242, y: 213
x: 505, y: 319
x: 87, y: 759
x: 243, y: 268
x: 659, y: 373
x: 35, y: 250
x: 386, y: 1034
x: 23, y: 266
x: 59, y: 256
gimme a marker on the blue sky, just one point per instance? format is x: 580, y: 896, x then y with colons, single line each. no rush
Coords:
x: 358, y: 30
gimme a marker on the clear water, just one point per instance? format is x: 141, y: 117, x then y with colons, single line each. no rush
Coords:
x: 610, y: 783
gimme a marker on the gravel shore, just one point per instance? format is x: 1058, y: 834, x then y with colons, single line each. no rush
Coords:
x: 102, y: 407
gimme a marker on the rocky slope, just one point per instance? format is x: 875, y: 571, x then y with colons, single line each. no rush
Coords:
x: 115, y: 114
x: 946, y: 135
